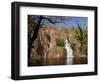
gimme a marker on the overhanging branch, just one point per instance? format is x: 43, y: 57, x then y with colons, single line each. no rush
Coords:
x: 53, y: 22
x: 48, y: 20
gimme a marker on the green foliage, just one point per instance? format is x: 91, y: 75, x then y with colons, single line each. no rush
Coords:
x: 65, y: 30
x: 81, y: 36
x: 60, y: 42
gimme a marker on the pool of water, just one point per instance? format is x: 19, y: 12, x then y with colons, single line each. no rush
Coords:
x: 60, y: 61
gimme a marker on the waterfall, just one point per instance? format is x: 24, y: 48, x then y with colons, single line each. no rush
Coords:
x: 69, y: 52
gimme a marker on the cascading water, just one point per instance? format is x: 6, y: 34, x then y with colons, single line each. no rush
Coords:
x: 69, y: 52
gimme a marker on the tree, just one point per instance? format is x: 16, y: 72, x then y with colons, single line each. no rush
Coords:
x: 35, y: 22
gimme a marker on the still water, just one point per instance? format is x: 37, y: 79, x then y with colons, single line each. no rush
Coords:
x: 60, y: 61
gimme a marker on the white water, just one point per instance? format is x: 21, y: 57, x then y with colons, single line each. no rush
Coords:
x: 69, y: 52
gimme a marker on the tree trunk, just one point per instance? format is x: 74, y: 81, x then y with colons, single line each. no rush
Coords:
x: 35, y: 34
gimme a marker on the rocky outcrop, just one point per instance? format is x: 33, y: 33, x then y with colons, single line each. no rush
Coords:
x: 44, y: 46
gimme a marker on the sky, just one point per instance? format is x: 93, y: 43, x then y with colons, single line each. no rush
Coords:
x: 73, y: 21
x: 69, y: 21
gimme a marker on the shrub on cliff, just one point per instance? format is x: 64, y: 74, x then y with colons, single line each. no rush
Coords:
x: 60, y: 42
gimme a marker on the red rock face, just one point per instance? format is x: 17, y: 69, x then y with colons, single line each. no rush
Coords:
x: 45, y: 44
x: 53, y: 39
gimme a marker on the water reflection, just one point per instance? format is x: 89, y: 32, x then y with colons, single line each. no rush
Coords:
x: 69, y: 60
x: 60, y: 61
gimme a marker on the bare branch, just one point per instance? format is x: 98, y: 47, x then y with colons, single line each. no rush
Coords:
x: 48, y: 19
x: 51, y: 21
